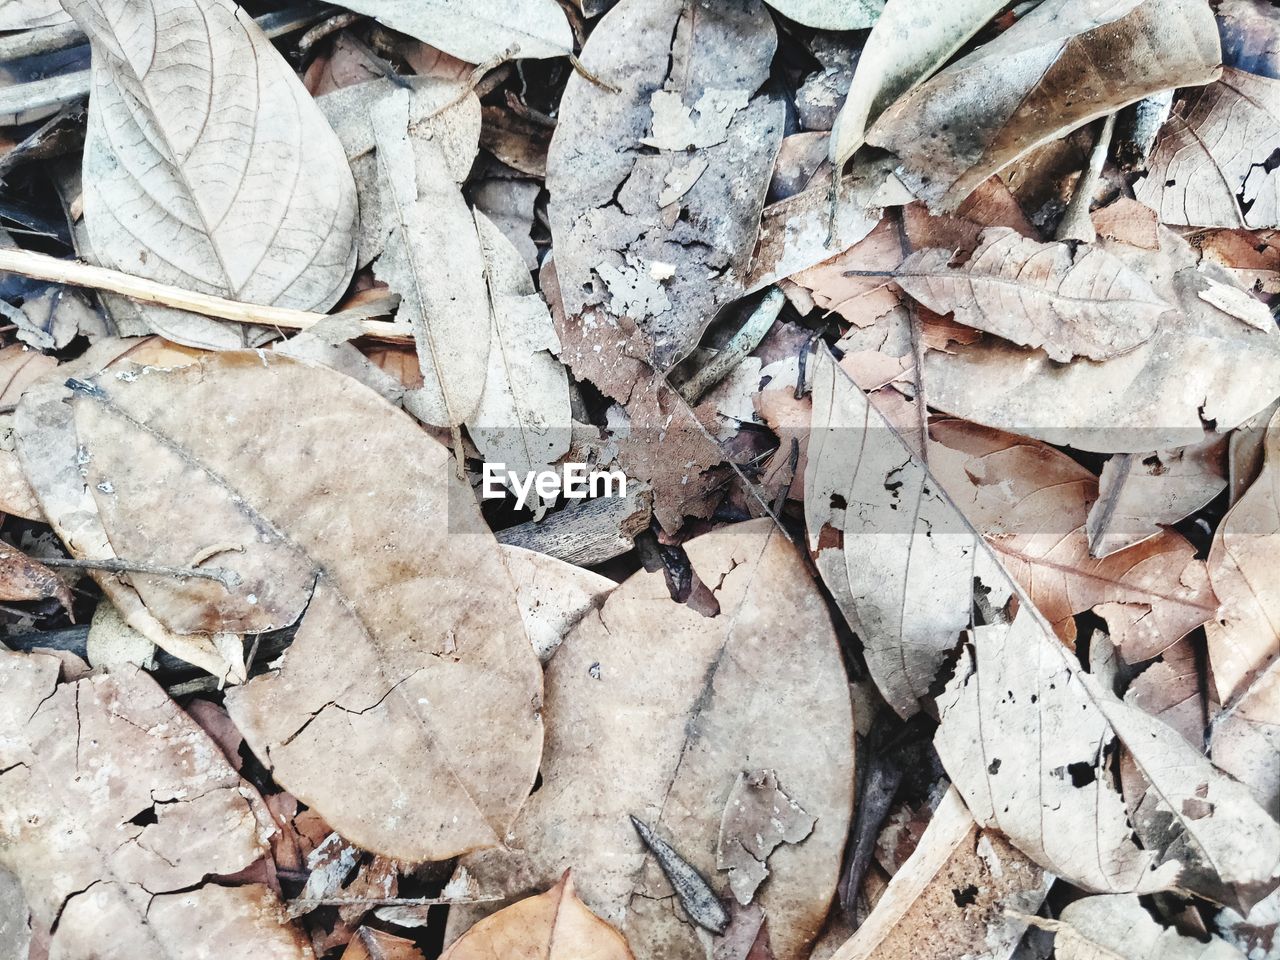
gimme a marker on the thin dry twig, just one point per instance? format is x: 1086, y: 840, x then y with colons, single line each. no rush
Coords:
x: 40, y: 266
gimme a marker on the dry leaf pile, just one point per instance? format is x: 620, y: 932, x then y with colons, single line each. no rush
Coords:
x: 931, y: 608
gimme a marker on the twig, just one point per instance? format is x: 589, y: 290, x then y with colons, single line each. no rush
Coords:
x: 40, y: 266
x: 746, y: 339
x: 30, y: 43
x: 1076, y: 223
x: 227, y: 578
x: 917, y: 347
x: 591, y: 77
x: 388, y: 901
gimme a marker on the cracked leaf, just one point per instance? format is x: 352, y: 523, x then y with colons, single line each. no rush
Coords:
x: 659, y: 724
x: 121, y: 814
x: 758, y: 817
x: 685, y: 79
x: 410, y: 673
x: 1212, y: 163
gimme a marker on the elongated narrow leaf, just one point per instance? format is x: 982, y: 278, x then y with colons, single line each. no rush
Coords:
x: 478, y: 31
x: 207, y: 164
x: 406, y: 712
x: 1083, y: 303
x: 1063, y: 64
x: 523, y: 419
x: 1025, y: 734
x: 432, y: 259
x: 659, y: 725
x: 907, y: 44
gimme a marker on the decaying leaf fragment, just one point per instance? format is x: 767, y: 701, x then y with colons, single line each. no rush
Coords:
x: 759, y: 686
x: 1025, y: 736
x: 433, y: 260
x: 410, y: 677
x: 120, y: 813
x: 1118, y: 928
x: 478, y: 31
x: 638, y: 231
x: 1083, y: 303
x: 960, y: 893
x: 207, y: 164
x: 1061, y: 65
x: 698, y: 901
x: 1178, y: 388
x: 757, y: 818
x: 555, y: 925
x: 1212, y: 164
x: 831, y: 14
x: 22, y: 578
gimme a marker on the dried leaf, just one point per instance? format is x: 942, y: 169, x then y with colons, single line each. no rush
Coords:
x: 1139, y: 494
x: 1156, y: 397
x: 264, y: 500
x: 1031, y: 503
x: 1058, y: 67
x: 49, y: 451
x: 758, y: 817
x: 684, y: 79
x: 22, y: 578
x: 113, y: 643
x: 760, y: 685
x: 698, y: 901
x: 121, y: 812
x: 1129, y: 222
x: 1082, y: 302
x: 831, y: 14
x: 555, y: 925
x: 906, y: 45
x: 478, y: 31
x: 1211, y: 166
x: 225, y: 181
x: 523, y: 419
x: 1118, y: 928
x: 1025, y: 735
x: 433, y: 260
x: 960, y: 893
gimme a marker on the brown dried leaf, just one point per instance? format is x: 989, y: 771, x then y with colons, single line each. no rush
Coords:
x: 1031, y: 502
x: 1157, y: 396
x: 960, y: 893
x: 1130, y: 222
x: 22, y: 578
x: 1021, y: 724
x: 49, y: 450
x: 1210, y: 166
x: 555, y: 925
x: 760, y: 685
x: 433, y: 694
x: 121, y: 812
x: 616, y: 225
x: 371, y: 944
x: 1063, y: 64
x: 225, y: 181
x: 1082, y: 302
